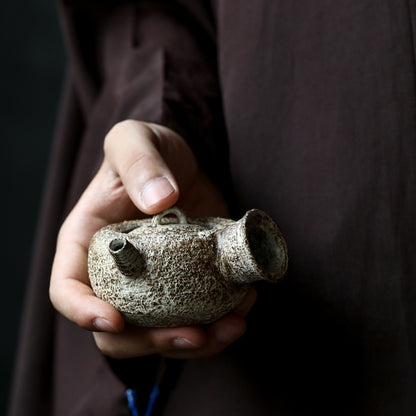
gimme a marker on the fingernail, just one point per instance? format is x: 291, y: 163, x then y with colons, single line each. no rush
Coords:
x: 183, y: 343
x: 155, y: 191
x: 102, y: 325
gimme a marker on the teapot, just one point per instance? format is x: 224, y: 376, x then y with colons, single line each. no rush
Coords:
x: 171, y: 270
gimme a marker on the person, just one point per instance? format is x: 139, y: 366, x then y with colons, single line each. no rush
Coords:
x: 302, y: 109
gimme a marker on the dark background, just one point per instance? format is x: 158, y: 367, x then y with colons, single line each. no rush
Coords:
x: 31, y: 71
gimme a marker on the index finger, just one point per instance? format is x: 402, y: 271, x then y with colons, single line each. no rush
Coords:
x: 69, y: 290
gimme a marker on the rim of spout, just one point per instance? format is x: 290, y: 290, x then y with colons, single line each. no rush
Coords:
x: 117, y: 245
x: 127, y: 258
x: 266, y: 244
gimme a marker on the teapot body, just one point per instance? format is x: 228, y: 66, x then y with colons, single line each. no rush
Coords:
x: 164, y: 272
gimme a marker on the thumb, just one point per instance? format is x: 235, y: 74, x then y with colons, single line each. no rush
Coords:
x: 132, y: 152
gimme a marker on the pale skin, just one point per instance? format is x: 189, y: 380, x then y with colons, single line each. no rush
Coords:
x: 144, y: 168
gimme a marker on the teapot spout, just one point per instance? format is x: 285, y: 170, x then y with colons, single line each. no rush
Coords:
x: 127, y: 258
x: 252, y: 249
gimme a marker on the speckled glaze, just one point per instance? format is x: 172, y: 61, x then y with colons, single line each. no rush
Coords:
x: 173, y: 271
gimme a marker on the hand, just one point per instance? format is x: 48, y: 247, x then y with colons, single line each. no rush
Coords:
x: 143, y: 169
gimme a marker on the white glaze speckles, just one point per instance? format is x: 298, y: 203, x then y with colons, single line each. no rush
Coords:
x: 177, y: 271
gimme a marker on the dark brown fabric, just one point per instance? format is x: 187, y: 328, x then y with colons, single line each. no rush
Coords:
x: 316, y: 102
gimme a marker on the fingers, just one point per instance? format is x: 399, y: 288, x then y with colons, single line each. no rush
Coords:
x: 136, y: 342
x: 246, y: 305
x: 132, y: 152
x: 182, y: 343
x: 221, y: 333
x: 84, y: 308
x: 69, y: 288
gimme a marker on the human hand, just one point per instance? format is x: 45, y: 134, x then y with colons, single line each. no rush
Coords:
x: 143, y: 169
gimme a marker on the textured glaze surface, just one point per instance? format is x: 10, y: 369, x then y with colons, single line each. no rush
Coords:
x: 174, y: 271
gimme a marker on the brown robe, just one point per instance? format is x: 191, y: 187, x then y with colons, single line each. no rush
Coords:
x: 315, y: 103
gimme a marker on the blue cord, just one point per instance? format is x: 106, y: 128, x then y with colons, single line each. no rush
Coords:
x: 152, y: 400
x: 132, y: 396
x: 132, y: 402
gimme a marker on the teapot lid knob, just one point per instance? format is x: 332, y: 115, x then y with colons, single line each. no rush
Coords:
x: 175, y: 211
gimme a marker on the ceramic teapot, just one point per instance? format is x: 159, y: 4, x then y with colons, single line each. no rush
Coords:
x: 171, y: 270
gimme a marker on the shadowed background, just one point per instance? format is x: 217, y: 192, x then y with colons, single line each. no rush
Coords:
x: 31, y: 74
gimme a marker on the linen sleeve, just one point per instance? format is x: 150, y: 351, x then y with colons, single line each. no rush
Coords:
x: 153, y: 61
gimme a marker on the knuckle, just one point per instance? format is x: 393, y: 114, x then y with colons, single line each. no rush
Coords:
x: 138, y: 164
x: 123, y: 128
x: 118, y: 129
x: 52, y: 294
x: 55, y: 295
x: 62, y: 232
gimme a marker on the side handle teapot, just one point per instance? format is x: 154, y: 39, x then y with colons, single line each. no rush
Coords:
x: 171, y: 270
